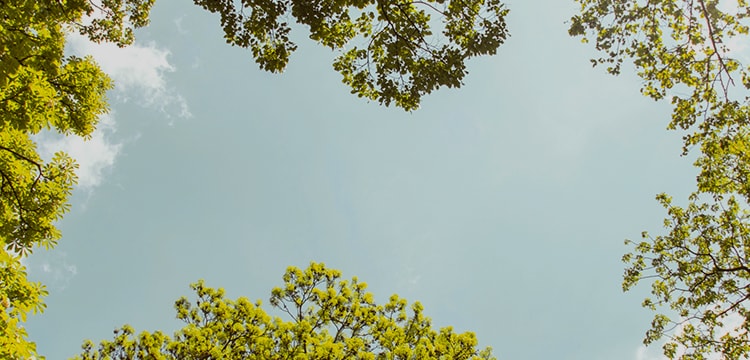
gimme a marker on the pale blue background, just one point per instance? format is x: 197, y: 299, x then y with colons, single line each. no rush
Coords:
x: 501, y: 206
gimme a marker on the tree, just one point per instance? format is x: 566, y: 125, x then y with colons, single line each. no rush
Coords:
x: 399, y: 59
x: 687, y: 50
x: 330, y: 319
x: 41, y: 88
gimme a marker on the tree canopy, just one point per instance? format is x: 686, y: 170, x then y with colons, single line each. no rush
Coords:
x: 43, y: 89
x: 330, y: 318
x: 388, y: 49
x: 686, y: 51
x: 689, y: 51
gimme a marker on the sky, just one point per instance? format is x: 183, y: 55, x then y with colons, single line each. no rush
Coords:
x: 501, y: 206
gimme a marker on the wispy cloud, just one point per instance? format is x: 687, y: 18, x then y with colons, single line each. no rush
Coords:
x: 180, y: 27
x: 52, y: 268
x: 184, y: 31
x: 409, y: 277
x: 139, y: 72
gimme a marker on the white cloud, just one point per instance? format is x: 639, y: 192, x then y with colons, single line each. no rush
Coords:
x: 138, y: 72
x: 94, y: 156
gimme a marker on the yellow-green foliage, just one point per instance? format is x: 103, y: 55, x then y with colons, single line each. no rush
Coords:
x: 17, y: 299
x: 40, y: 89
x: 330, y: 318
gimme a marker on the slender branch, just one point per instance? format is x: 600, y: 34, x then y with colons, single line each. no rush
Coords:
x: 706, y: 15
x: 430, y: 6
x: 734, y: 305
x: 22, y: 157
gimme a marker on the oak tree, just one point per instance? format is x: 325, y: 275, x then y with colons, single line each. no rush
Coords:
x: 690, y: 51
x: 328, y: 318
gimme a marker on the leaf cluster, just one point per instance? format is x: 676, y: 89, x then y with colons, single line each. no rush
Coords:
x: 398, y: 58
x: 17, y: 298
x: 330, y: 318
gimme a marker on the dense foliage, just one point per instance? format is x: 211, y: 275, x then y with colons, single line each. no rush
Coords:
x: 388, y: 49
x: 329, y: 319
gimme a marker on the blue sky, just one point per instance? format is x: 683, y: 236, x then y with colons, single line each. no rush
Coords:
x: 501, y: 206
